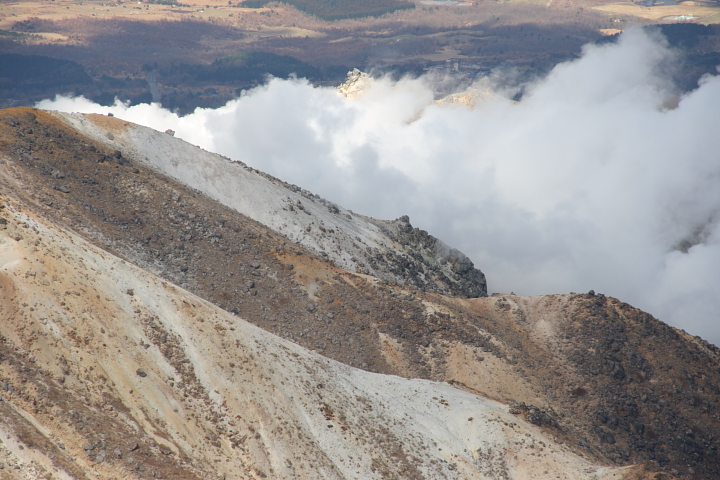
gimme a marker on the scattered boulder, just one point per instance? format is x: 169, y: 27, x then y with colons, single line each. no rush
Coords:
x: 533, y: 414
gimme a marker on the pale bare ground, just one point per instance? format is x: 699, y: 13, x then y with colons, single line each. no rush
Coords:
x: 287, y: 32
x: 664, y: 13
x: 251, y: 36
x: 269, y: 399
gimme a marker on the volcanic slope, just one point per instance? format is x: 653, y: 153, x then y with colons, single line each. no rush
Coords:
x: 594, y: 373
x: 110, y: 371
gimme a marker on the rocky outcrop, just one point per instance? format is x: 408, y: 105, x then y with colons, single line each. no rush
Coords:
x: 355, y: 84
x: 425, y: 257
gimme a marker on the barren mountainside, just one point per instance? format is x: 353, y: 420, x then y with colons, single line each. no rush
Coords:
x: 136, y: 270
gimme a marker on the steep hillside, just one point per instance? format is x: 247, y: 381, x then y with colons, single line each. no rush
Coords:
x: 393, y: 251
x: 597, y: 375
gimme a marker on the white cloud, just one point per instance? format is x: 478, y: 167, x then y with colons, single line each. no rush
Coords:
x: 587, y: 183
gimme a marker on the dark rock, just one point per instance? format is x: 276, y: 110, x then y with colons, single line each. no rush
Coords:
x: 141, y: 372
x: 607, y: 437
x: 638, y: 428
x: 617, y: 371
x: 539, y: 417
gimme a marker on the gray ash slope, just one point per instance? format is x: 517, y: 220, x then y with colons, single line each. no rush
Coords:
x: 392, y: 251
x: 610, y: 381
x: 415, y: 258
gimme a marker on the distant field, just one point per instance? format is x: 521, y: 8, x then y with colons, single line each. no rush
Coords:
x: 202, y: 9
x: 10, y: 13
x: 700, y: 13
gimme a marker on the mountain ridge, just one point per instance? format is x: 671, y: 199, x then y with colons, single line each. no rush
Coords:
x: 324, y: 228
x: 605, y: 379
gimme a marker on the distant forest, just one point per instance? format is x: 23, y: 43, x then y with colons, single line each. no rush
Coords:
x: 339, y: 9
x: 241, y: 68
x: 197, y: 85
x: 37, y: 76
x: 30, y: 78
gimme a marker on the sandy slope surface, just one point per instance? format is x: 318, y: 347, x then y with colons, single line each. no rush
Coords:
x: 204, y: 392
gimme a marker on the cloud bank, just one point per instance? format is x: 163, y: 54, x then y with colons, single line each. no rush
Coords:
x: 589, y: 182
